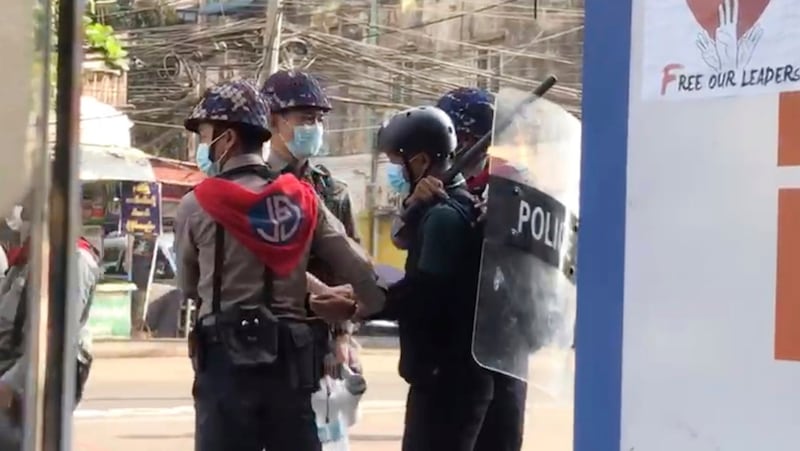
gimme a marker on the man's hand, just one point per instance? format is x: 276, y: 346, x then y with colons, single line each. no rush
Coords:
x: 426, y: 190
x: 345, y: 290
x: 335, y: 304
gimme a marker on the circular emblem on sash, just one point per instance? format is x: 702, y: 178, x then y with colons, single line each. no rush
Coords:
x: 276, y: 219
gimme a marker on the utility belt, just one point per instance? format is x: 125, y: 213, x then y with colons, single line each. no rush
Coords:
x: 253, y: 337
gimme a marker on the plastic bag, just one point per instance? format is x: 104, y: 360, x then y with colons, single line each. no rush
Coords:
x: 336, y: 408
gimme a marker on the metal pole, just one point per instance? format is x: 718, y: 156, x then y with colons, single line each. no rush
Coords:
x: 200, y: 87
x: 272, y: 40
x: 38, y: 286
x: 372, y: 202
x: 59, y: 371
x: 275, y: 51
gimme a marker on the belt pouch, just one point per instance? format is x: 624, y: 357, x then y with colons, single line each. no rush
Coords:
x: 195, y: 344
x: 323, y: 345
x: 249, y: 335
x: 84, y: 367
x: 301, y: 363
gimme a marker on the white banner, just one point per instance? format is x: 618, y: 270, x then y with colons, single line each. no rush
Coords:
x: 717, y: 48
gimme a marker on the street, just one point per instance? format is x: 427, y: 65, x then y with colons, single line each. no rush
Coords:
x: 145, y: 404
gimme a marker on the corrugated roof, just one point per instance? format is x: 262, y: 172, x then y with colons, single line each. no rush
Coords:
x: 115, y: 163
x: 176, y: 172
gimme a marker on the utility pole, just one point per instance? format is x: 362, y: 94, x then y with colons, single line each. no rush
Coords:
x: 52, y: 336
x: 272, y: 40
x: 200, y: 86
x: 372, y: 187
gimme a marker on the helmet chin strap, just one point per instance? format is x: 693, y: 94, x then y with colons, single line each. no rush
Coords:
x: 415, y: 180
x: 220, y: 160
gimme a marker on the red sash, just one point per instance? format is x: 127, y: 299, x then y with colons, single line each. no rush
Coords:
x: 479, y: 181
x: 18, y: 256
x: 276, y: 224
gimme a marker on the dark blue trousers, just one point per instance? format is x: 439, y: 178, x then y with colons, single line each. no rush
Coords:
x: 504, y: 423
x: 470, y: 410
x: 250, y: 409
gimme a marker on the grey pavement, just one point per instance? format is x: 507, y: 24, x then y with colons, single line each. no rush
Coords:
x: 176, y: 347
x: 145, y: 403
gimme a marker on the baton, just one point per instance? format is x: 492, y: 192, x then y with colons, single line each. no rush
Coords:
x: 466, y: 157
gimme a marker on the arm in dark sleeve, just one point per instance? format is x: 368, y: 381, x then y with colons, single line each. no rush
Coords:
x: 186, y: 248
x: 443, y: 234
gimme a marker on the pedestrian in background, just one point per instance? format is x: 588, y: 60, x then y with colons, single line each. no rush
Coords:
x: 14, y: 300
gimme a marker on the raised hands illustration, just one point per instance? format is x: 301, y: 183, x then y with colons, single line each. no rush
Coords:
x: 725, y: 52
x: 708, y: 51
x: 747, y: 44
x: 727, y: 45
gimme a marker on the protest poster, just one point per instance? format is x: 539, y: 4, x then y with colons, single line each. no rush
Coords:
x: 696, y: 49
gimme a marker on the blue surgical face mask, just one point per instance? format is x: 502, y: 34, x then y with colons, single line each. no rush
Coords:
x: 397, y: 179
x: 306, y: 142
x: 203, y: 158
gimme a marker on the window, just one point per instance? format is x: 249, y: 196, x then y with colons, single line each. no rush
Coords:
x: 489, y: 61
x: 111, y: 261
x: 397, y: 88
x: 163, y: 270
x: 496, y: 66
x: 482, y: 63
x: 402, y: 84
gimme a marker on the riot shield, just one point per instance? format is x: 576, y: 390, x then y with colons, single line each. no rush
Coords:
x: 526, y: 296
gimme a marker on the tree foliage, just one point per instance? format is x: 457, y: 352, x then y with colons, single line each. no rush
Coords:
x: 98, y: 37
x: 101, y: 38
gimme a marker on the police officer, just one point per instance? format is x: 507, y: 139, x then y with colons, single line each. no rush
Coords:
x: 449, y: 393
x: 13, y: 312
x: 298, y: 105
x: 244, y: 236
x: 472, y: 113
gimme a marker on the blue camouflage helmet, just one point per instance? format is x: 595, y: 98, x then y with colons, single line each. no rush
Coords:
x: 287, y: 89
x: 471, y: 109
x: 231, y: 102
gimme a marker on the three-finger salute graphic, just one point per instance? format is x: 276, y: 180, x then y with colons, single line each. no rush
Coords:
x: 720, y: 48
x: 730, y: 33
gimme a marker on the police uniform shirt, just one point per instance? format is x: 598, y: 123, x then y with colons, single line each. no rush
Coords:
x: 332, y: 191
x: 243, y: 273
x: 88, y: 273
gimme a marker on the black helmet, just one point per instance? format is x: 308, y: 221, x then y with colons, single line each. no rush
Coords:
x: 421, y: 129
